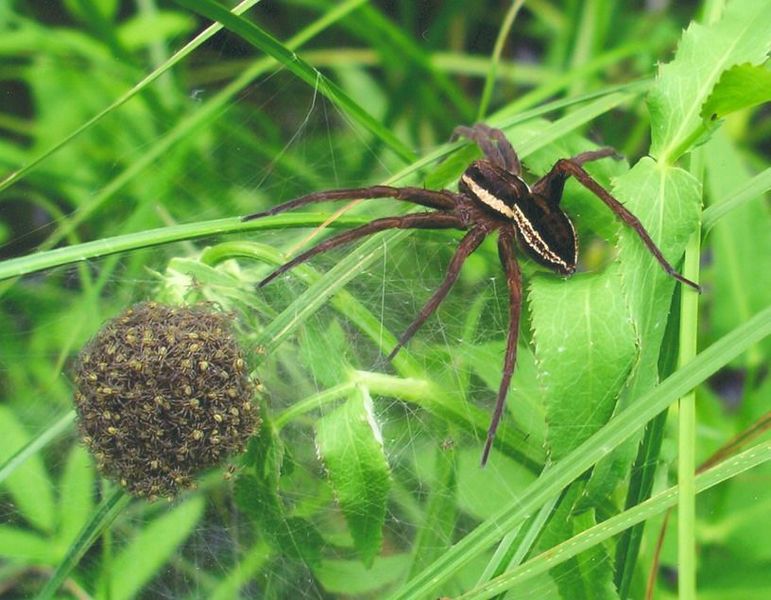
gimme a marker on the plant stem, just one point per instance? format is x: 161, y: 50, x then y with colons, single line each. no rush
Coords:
x: 686, y: 468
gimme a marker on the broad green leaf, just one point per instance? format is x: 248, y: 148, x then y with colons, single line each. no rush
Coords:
x: 667, y: 202
x: 352, y: 579
x: 739, y: 87
x: 25, y: 546
x: 257, y: 494
x: 350, y: 445
x: 585, y: 348
x: 106, y: 9
x: 739, y: 242
x: 481, y: 492
x: 76, y: 493
x: 586, y: 576
x: 155, y: 544
x: 704, y: 53
x: 29, y: 484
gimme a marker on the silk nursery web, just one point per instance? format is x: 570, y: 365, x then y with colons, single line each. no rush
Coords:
x: 363, y: 470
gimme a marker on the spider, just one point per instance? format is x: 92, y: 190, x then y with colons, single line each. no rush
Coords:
x: 492, y: 197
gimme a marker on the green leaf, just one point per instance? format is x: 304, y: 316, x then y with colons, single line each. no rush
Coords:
x: 29, y: 484
x: 25, y: 546
x: 586, y: 576
x: 146, y: 29
x: 435, y: 531
x: 585, y: 348
x: 350, y: 578
x: 257, y: 494
x: 523, y: 401
x: 350, y: 444
x: 262, y: 40
x: 524, y: 574
x: 704, y: 53
x: 667, y: 202
x: 76, y: 493
x: 324, y: 352
x: 289, y: 536
x: 100, y: 520
x: 555, y: 479
x: 154, y: 545
x: 740, y: 87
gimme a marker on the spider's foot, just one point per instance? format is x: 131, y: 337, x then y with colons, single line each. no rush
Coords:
x: 687, y: 282
x: 269, y: 278
x: 257, y: 215
x: 395, y: 351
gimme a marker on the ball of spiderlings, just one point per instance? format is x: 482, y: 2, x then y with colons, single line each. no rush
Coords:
x: 162, y: 392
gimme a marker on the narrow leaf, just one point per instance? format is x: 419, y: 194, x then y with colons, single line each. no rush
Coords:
x: 29, y: 484
x: 262, y: 40
x: 586, y: 576
x: 143, y: 558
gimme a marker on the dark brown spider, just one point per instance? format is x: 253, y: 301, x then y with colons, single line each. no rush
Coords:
x: 492, y: 197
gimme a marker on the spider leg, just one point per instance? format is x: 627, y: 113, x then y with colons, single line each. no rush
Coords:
x: 551, y: 186
x: 506, y: 249
x: 468, y: 244
x: 493, y: 144
x: 590, y: 155
x: 441, y: 200
x: 416, y: 221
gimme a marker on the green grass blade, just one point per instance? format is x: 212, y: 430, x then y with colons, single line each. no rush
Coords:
x: 40, y: 261
x: 105, y: 514
x: 503, y: 33
x: 732, y: 467
x: 182, y: 53
x: 753, y: 188
x: 262, y: 40
x: 35, y: 444
x: 599, y: 445
x: 192, y: 122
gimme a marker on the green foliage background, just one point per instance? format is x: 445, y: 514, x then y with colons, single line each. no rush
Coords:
x: 132, y: 140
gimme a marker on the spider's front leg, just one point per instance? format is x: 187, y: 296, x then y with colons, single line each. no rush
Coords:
x: 493, y: 144
x: 435, y: 220
x: 506, y: 249
x: 551, y: 185
x: 440, y: 200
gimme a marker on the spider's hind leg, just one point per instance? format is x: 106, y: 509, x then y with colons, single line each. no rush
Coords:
x: 493, y: 144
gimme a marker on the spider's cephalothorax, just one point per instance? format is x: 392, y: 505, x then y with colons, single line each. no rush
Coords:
x: 492, y: 197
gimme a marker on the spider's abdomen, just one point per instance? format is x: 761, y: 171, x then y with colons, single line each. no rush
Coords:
x: 543, y: 230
